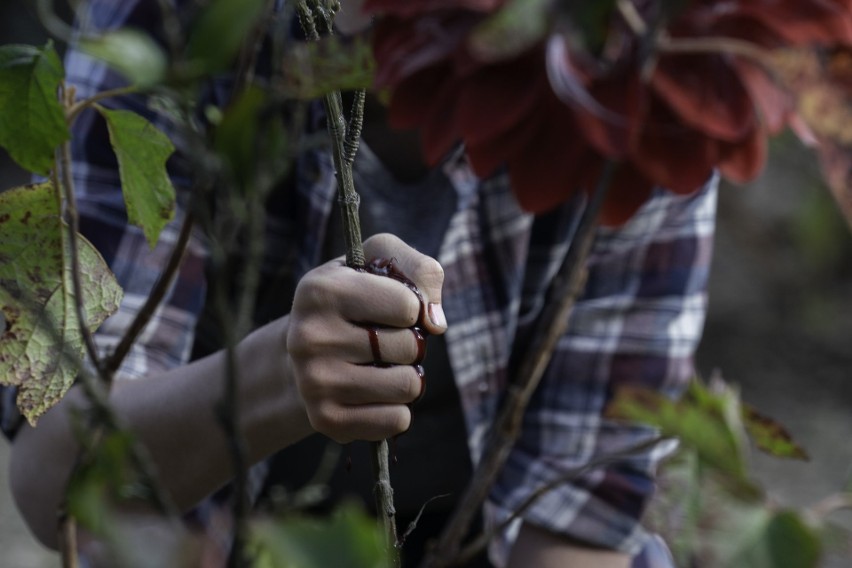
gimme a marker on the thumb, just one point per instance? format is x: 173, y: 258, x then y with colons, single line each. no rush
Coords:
x: 388, y: 255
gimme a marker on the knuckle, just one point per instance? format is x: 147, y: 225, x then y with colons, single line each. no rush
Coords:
x: 326, y: 419
x: 307, y: 339
x: 402, y: 420
x: 318, y: 288
x: 409, y: 385
x: 428, y: 274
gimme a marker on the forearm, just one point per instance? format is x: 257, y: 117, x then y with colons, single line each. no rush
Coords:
x: 544, y: 549
x: 173, y: 414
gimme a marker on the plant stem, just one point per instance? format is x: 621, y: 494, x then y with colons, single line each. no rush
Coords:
x: 72, y: 223
x: 75, y: 109
x: 467, y: 553
x: 68, y: 541
x: 96, y: 388
x: 344, y: 147
x: 158, y: 292
x: 550, y: 326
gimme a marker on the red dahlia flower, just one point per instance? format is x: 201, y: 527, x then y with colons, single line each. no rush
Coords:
x: 670, y: 101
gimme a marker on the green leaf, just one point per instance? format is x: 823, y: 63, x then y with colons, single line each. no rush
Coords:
x: 251, y: 138
x: 302, y: 542
x: 32, y: 121
x: 771, y: 436
x: 37, y: 300
x: 711, y: 422
x: 519, y: 25
x: 132, y: 53
x: 235, y: 138
x: 96, y: 485
x: 142, y: 152
x: 220, y: 31
x: 765, y: 539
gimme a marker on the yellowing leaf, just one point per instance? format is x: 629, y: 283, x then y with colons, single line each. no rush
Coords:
x: 822, y: 85
x: 142, y: 152
x: 40, y: 339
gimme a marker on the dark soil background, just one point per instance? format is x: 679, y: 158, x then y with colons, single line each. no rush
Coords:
x: 779, y: 324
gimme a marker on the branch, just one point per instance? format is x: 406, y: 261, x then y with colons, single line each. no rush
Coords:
x: 96, y: 389
x: 72, y: 223
x: 158, y: 292
x: 711, y: 45
x: 829, y: 505
x: 76, y: 108
x: 52, y: 22
x: 344, y: 147
x: 478, y: 544
x: 551, y: 325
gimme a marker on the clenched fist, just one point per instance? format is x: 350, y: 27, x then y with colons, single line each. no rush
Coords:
x: 355, y: 339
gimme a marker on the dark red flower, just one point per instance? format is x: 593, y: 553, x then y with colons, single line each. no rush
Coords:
x: 700, y: 98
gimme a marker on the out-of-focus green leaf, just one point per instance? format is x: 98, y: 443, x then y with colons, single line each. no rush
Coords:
x: 675, y: 510
x: 349, y: 538
x: 590, y: 23
x: 519, y: 25
x: 32, y: 122
x: 771, y: 540
x: 97, y: 484
x: 710, y: 422
x: 235, y: 137
x: 220, y: 31
x: 251, y: 137
x: 142, y: 152
x: 132, y: 53
x: 771, y: 436
x: 37, y: 299
x: 316, y: 68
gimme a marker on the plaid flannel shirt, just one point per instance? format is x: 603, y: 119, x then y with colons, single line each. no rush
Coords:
x: 637, y: 323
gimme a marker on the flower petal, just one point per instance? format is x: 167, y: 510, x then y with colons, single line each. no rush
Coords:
x: 671, y: 154
x: 705, y: 93
x: 742, y: 162
x: 498, y: 97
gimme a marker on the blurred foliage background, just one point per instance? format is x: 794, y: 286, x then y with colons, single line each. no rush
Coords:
x: 779, y: 324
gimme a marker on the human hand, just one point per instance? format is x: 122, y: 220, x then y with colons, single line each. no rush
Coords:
x: 355, y: 387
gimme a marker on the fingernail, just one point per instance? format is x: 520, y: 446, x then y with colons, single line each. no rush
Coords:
x: 436, y: 315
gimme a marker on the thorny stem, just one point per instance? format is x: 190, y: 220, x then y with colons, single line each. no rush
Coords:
x: 156, y: 296
x: 480, y: 542
x: 349, y: 201
x: 550, y: 326
x: 356, y: 123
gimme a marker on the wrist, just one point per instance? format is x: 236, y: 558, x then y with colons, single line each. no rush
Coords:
x: 272, y: 411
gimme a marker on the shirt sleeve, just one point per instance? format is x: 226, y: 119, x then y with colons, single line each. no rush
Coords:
x: 638, y: 323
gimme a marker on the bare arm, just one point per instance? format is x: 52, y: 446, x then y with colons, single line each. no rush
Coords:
x: 305, y: 372
x: 543, y: 549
